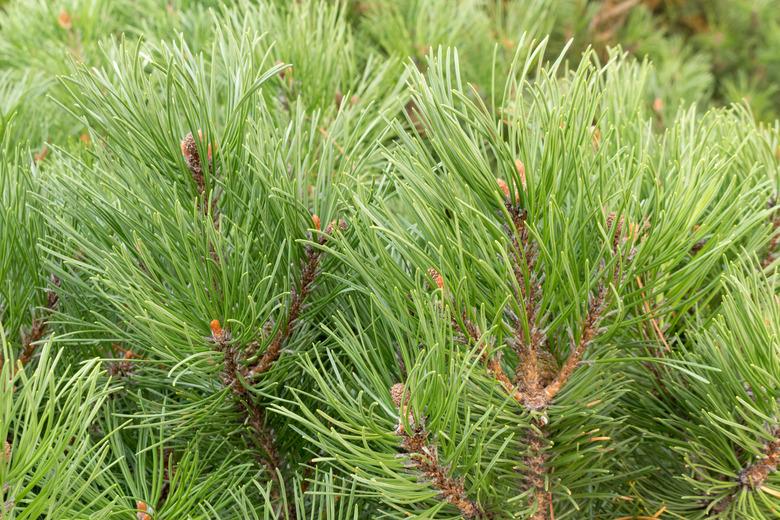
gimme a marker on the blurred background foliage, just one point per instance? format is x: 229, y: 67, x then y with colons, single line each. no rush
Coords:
x: 710, y: 52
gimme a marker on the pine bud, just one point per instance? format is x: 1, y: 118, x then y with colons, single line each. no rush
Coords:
x: 341, y: 224
x: 339, y: 98
x: 286, y: 72
x: 658, y: 105
x: 504, y: 187
x: 315, y: 220
x: 64, y: 20
x: 596, y: 137
x: 40, y: 156
x: 189, y: 149
x: 143, y: 510
x: 397, y: 393
x: 437, y: 277
x: 7, y: 452
x: 520, y: 167
x: 633, y: 231
x: 216, y: 330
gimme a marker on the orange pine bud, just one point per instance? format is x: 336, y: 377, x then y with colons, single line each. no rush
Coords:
x: 658, y: 105
x: 520, y: 167
x: 143, y: 508
x: 433, y: 273
x: 315, y: 219
x: 208, y: 148
x: 40, y: 156
x: 503, y: 186
x: 216, y: 329
x: 64, y: 20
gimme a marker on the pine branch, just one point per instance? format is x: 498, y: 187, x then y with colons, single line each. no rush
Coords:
x: 309, y: 273
x: 254, y: 413
x: 39, y: 325
x: 590, y: 326
x: 753, y: 477
x: 535, y: 477
x: 524, y: 255
x: 493, y: 363
x: 424, y: 457
x: 235, y: 372
x: 473, y: 334
x: 596, y: 308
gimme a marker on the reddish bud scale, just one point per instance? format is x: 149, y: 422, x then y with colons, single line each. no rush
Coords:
x: 315, y: 220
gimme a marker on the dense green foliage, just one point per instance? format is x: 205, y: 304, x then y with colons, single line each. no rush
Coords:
x: 389, y: 259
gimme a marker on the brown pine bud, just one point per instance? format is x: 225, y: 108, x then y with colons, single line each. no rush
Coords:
x: 339, y: 98
x: 341, y: 224
x: 658, y: 105
x: 437, y: 277
x: 189, y: 149
x: 7, y: 452
x: 315, y: 220
x: 397, y: 393
x: 64, y: 20
x: 286, y: 72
